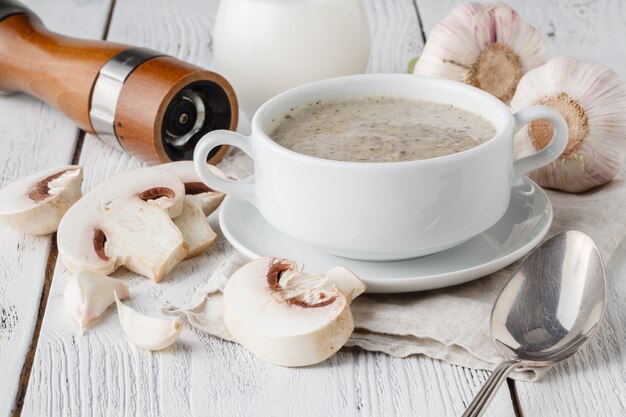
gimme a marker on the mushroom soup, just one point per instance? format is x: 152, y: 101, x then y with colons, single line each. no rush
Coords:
x: 380, y: 129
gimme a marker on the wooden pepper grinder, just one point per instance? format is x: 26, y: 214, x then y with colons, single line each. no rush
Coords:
x: 151, y: 105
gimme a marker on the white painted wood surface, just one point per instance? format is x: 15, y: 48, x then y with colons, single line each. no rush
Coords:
x: 100, y: 373
x: 33, y: 136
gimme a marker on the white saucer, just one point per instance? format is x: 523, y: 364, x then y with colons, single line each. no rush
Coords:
x: 522, y: 227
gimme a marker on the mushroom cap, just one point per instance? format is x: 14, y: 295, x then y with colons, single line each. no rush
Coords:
x: 35, y: 204
x: 208, y: 199
x: 277, y: 324
x: 126, y: 220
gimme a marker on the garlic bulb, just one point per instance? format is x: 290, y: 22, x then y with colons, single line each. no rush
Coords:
x: 486, y: 45
x: 592, y: 99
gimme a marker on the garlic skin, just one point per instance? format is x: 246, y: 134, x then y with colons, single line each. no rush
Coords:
x: 88, y: 294
x: 148, y: 333
x: 488, y: 46
x: 592, y: 99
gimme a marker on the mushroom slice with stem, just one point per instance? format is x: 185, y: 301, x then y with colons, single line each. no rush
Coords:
x: 36, y: 204
x: 88, y: 294
x: 286, y: 316
x: 126, y: 220
x: 195, y: 189
x: 148, y: 333
x: 200, y: 201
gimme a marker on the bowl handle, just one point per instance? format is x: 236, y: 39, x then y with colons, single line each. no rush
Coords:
x: 552, y: 150
x: 212, y: 140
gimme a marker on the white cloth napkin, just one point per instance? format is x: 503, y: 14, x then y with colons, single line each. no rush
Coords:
x: 450, y: 324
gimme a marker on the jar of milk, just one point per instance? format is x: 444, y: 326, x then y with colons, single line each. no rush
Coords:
x: 264, y: 47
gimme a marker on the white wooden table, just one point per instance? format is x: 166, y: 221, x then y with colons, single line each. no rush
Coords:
x: 47, y: 368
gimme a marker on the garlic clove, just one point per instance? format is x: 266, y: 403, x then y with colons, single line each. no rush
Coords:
x: 36, y: 204
x: 285, y: 316
x: 485, y: 45
x: 194, y: 226
x: 88, y: 294
x: 148, y: 333
x: 592, y: 99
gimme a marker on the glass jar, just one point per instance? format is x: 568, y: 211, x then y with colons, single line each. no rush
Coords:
x: 264, y: 47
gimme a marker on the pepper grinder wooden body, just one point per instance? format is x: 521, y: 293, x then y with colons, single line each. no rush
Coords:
x: 140, y: 101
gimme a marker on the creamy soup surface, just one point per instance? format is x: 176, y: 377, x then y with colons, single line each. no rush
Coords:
x: 380, y: 129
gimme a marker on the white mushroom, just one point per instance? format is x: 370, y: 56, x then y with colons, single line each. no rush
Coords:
x: 88, y: 294
x: 148, y: 333
x: 200, y: 202
x: 288, y: 317
x: 126, y: 220
x: 195, y: 228
x: 208, y: 199
x: 36, y: 204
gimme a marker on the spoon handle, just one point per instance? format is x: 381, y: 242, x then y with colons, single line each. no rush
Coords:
x: 485, y: 395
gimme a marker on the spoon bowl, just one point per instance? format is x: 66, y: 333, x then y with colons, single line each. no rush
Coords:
x: 550, y: 308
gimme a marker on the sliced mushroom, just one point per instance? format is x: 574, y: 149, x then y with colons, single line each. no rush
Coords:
x: 195, y: 228
x: 36, y: 204
x: 88, y: 294
x: 126, y: 220
x: 208, y: 198
x: 148, y: 333
x: 200, y: 202
x: 288, y: 317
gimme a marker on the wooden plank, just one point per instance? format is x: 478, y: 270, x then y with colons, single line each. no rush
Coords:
x: 100, y: 373
x: 592, y: 382
x: 34, y: 137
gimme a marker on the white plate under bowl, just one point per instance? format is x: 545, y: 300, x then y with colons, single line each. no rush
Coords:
x: 522, y: 227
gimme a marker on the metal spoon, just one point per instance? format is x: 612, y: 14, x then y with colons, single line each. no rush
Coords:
x: 549, y: 309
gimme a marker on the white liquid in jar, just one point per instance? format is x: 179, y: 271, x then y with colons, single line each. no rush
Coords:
x: 264, y: 47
